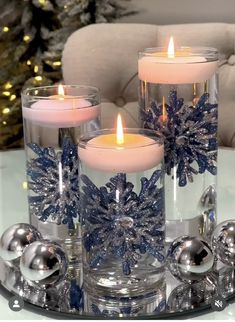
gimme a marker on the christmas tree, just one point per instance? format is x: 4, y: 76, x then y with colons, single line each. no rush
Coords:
x: 32, y: 37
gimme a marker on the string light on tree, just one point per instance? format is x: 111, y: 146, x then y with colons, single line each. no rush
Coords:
x: 33, y: 33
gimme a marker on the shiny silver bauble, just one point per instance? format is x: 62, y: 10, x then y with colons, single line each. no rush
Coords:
x: 188, y: 296
x: 207, y: 209
x: 44, y: 263
x: 189, y: 259
x: 223, y: 242
x: 208, y: 198
x: 14, y: 240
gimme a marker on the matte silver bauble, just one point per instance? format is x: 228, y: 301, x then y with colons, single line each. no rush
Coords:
x: 44, y: 263
x: 189, y: 259
x: 14, y: 240
x: 223, y: 242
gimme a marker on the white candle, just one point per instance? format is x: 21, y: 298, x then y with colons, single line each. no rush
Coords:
x: 175, y: 68
x: 61, y: 111
x: 131, y: 152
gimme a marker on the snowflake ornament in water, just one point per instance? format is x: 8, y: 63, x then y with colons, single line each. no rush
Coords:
x: 76, y: 296
x: 53, y: 183
x: 119, y: 222
x: 190, y: 135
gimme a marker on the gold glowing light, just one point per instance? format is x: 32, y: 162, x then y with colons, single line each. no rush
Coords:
x: 26, y: 38
x: 6, y: 110
x: 6, y: 93
x: 60, y: 90
x: 28, y: 62
x: 56, y: 63
x: 8, y: 85
x: 119, y: 134
x: 171, y: 49
x: 38, y: 78
x: 164, y: 113
x: 12, y: 97
x: 25, y: 185
x: 35, y: 69
x: 42, y: 2
x: 4, y: 123
x: 5, y: 29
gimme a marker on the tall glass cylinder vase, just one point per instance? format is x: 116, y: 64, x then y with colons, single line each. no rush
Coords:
x: 54, y: 118
x: 178, y: 96
x: 123, y: 215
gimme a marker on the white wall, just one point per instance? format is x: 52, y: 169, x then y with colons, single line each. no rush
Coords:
x: 181, y: 11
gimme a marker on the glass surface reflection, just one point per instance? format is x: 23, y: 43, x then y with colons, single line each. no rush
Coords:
x: 173, y: 297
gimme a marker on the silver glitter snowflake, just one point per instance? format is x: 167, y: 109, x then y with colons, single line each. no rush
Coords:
x: 117, y: 221
x: 53, y: 183
x: 190, y: 135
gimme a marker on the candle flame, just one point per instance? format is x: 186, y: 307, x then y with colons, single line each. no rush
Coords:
x: 61, y: 91
x: 171, y: 48
x: 119, y: 134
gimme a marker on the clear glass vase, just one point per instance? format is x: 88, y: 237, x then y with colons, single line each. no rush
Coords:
x: 178, y: 96
x: 123, y: 214
x: 54, y: 118
x: 122, y: 307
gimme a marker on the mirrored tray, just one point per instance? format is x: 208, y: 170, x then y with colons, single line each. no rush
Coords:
x: 173, y: 299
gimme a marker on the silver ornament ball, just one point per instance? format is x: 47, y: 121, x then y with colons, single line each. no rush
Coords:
x: 189, y: 259
x: 14, y: 240
x: 223, y: 242
x: 207, y: 208
x: 44, y: 263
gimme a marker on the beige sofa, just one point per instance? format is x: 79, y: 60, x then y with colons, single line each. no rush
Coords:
x: 105, y: 55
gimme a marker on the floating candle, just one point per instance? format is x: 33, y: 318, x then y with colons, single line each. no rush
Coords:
x: 174, y: 67
x: 61, y: 110
x: 122, y: 152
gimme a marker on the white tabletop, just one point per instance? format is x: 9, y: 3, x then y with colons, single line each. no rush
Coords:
x: 13, y: 209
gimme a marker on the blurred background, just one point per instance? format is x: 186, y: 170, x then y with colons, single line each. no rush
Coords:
x: 181, y: 11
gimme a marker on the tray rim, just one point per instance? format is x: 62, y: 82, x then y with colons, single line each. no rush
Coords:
x: 7, y: 294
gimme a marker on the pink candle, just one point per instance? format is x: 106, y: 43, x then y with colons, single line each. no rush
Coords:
x: 122, y: 152
x: 61, y: 111
x: 175, y: 67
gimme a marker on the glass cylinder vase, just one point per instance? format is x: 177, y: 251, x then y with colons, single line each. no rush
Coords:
x: 123, y: 216
x: 54, y: 118
x: 178, y: 96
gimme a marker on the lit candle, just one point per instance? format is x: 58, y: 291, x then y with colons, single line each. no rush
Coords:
x: 174, y: 67
x: 122, y: 152
x: 61, y: 110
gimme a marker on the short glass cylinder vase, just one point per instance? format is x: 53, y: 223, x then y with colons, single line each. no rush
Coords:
x: 178, y: 96
x: 54, y: 118
x: 123, y: 214
x: 122, y: 307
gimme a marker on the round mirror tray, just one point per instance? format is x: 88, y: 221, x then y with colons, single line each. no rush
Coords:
x: 68, y: 300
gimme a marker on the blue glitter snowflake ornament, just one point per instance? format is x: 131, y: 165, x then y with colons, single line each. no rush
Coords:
x: 53, y: 183
x: 190, y: 135
x: 119, y: 222
x: 76, y: 296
